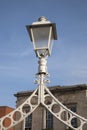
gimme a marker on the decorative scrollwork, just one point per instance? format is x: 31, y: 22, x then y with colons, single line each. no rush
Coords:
x: 43, y: 96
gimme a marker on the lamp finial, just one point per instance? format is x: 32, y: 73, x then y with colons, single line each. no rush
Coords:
x: 42, y: 18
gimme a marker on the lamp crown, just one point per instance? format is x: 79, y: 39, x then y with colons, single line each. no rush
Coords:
x: 42, y: 18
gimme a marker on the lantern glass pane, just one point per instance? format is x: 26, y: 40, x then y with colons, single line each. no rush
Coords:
x: 41, y: 35
x: 50, y: 42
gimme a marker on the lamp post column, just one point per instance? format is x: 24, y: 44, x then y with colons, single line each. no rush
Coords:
x: 42, y: 72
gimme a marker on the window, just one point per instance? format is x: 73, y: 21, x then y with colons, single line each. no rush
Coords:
x: 49, y: 120
x: 72, y: 107
x: 28, y: 122
x: 74, y: 121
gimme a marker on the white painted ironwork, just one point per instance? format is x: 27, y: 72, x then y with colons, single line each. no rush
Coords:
x: 43, y: 97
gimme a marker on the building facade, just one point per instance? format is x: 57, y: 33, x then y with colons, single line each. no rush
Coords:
x: 74, y: 97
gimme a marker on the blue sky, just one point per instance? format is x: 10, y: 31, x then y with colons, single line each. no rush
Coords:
x: 18, y: 63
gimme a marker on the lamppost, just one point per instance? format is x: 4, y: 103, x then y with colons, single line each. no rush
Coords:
x: 42, y: 33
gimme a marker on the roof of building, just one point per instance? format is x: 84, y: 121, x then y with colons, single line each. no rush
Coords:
x: 4, y: 110
x: 6, y: 107
x: 54, y: 89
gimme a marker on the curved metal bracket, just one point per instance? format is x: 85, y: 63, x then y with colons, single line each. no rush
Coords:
x: 20, y: 113
x: 61, y: 112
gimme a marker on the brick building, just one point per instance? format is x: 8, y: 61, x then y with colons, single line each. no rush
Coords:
x: 74, y: 97
x: 4, y: 110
